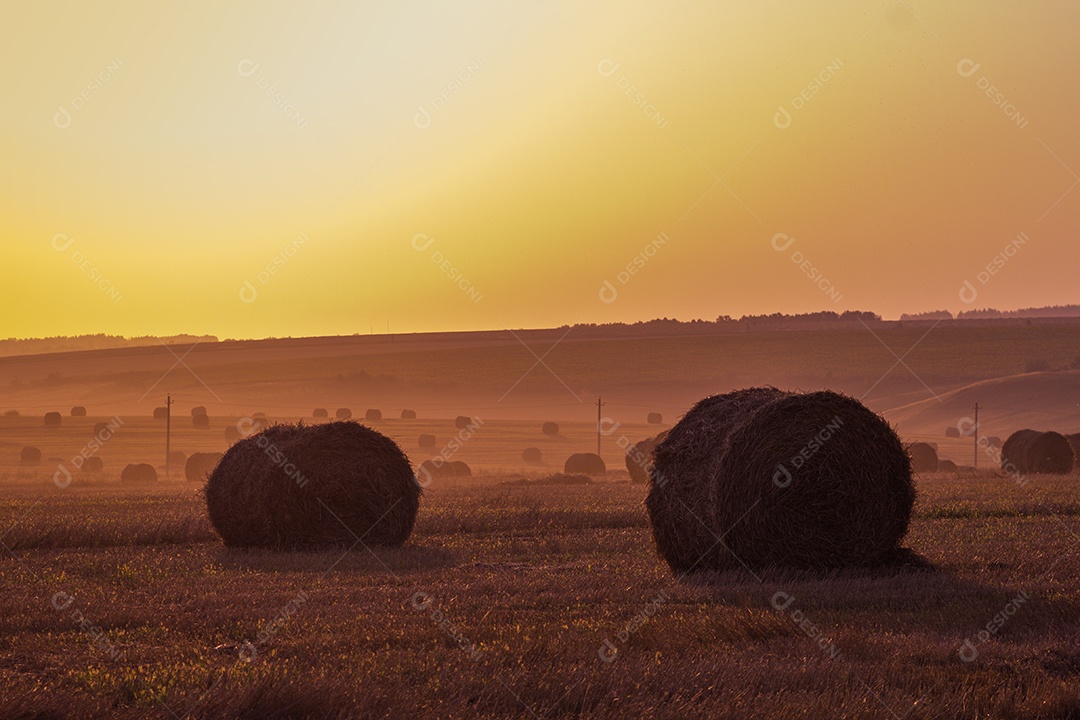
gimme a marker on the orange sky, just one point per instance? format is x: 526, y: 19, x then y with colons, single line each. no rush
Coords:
x: 304, y: 169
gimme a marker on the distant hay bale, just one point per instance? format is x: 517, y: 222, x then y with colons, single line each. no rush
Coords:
x: 426, y: 441
x: 532, y: 455
x: 952, y: 432
x: 584, y: 464
x: 373, y: 415
x: 30, y: 455
x: 654, y: 418
x: 462, y: 421
x: 1031, y: 451
x: 994, y: 441
x: 550, y: 429
x: 138, y: 473
x: 177, y: 458
x: 924, y: 457
x: 440, y: 467
x: 201, y: 422
x: 320, y: 413
x: 343, y: 413
x: 100, y: 428
x: 947, y: 466
x: 639, y: 460
x: 408, y: 414
x: 53, y: 419
x: 296, y: 486
x: 232, y: 433
x: 765, y: 477
x: 78, y: 411
x: 161, y: 413
x: 460, y: 469
x: 93, y: 465
x: 200, y: 464
x: 198, y: 410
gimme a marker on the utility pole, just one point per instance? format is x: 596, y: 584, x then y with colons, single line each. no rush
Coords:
x: 168, y: 436
x: 599, y: 405
x: 976, y: 435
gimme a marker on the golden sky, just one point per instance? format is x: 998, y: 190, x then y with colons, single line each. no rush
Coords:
x: 248, y: 169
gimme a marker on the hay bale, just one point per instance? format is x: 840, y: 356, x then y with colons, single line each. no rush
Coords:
x: 462, y: 421
x: 259, y: 415
x: 295, y: 486
x: 408, y: 414
x: 343, y: 413
x: 952, y: 432
x: 460, y: 469
x: 639, y: 460
x: 1031, y: 451
x: 232, y: 433
x: 161, y: 413
x: 320, y: 413
x: 947, y: 466
x: 100, y: 428
x: 426, y: 441
x: 654, y: 418
x: 30, y: 455
x: 93, y: 465
x: 198, y: 410
x: 373, y: 415
x: 202, y: 422
x: 764, y: 477
x: 177, y: 458
x: 138, y: 473
x: 78, y: 411
x: 924, y: 457
x: 551, y: 429
x: 994, y: 441
x: 584, y: 464
x: 53, y: 419
x: 532, y: 455
x: 200, y: 464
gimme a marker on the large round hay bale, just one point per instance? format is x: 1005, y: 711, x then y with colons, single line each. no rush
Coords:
x: 161, y: 413
x: 532, y: 455
x: 200, y: 464
x: 294, y: 486
x: 924, y: 457
x: 78, y: 411
x: 30, y: 455
x: 1031, y: 451
x: 585, y: 464
x: 654, y: 418
x: 761, y: 477
x: 462, y: 421
x: 93, y: 465
x: 947, y: 466
x: 373, y: 415
x: 198, y: 410
x: 138, y: 473
x: 952, y: 432
x: 408, y: 414
x: 320, y: 413
x: 343, y: 413
x: 202, y: 422
x: 53, y: 419
x: 551, y: 429
x: 639, y: 459
x: 426, y: 441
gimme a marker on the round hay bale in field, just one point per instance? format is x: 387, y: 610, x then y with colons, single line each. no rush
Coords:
x: 373, y: 415
x: 408, y: 414
x: 78, y: 411
x: 259, y: 415
x: 53, y: 419
x: 198, y: 410
x: 30, y: 455
x: 1031, y: 451
x: 295, y: 486
x: 952, y: 432
x: 762, y: 477
x: 232, y: 433
x: 101, y: 428
x: 177, y: 458
x: 343, y: 413
x: 426, y: 441
x: 160, y: 413
x: 654, y: 418
x: 924, y: 457
x: 434, y: 468
x: 200, y: 464
x: 551, y: 429
x: 947, y: 466
x: 994, y: 441
x: 584, y: 464
x: 138, y: 473
x: 93, y: 465
x: 462, y: 421
x: 460, y: 469
x: 202, y: 422
x: 320, y: 413
x: 532, y: 455
x: 639, y: 459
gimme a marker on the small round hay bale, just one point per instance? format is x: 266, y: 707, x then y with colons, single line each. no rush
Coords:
x: 462, y: 421
x: 952, y: 432
x: 639, y: 458
x: 200, y: 464
x: 295, y: 486
x: 532, y: 455
x: 762, y: 477
x: 161, y: 413
x: 373, y: 415
x: 584, y: 464
x: 551, y: 429
x: 320, y: 413
x: 232, y: 433
x: 93, y: 464
x: 202, y: 422
x: 343, y: 413
x: 436, y: 467
x: 459, y: 469
x: 100, y: 428
x: 994, y: 441
x: 408, y: 414
x: 426, y: 441
x: 53, y: 419
x: 1031, y: 451
x: 30, y: 455
x: 177, y: 458
x: 654, y: 418
x: 259, y: 415
x: 138, y: 473
x: 198, y: 410
x: 924, y: 457
x: 78, y: 411
x: 948, y: 466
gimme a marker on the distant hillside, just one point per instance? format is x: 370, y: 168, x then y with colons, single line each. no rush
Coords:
x: 41, y: 346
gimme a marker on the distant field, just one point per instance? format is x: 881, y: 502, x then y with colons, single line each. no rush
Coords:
x: 525, y: 603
